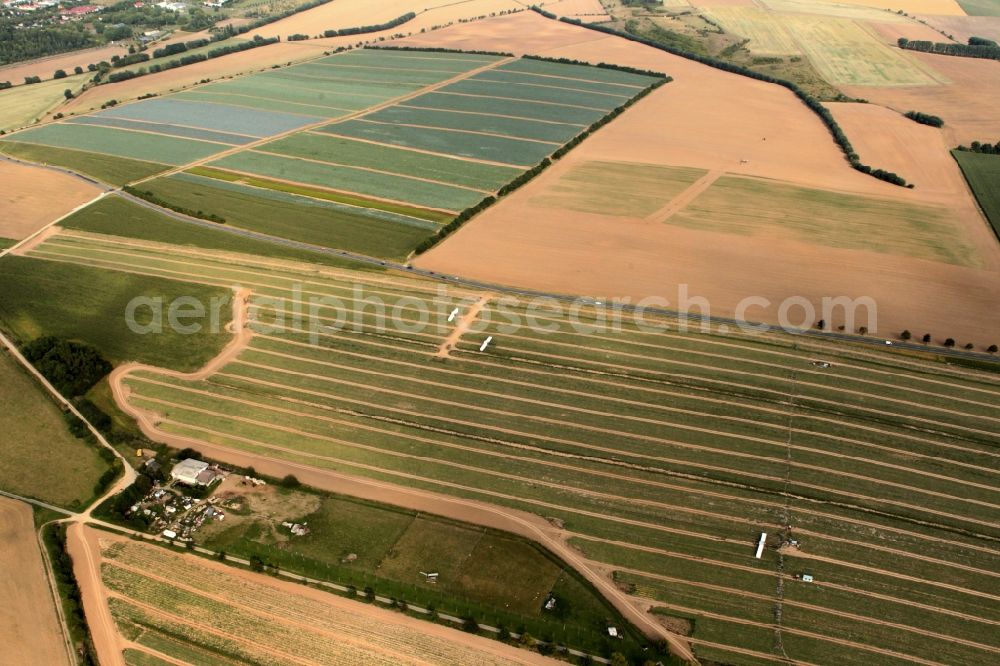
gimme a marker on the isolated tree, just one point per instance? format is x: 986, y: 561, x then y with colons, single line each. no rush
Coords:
x: 503, y: 633
x: 821, y: 324
x: 59, y: 74
x: 950, y: 342
x: 256, y: 564
x: 370, y: 593
x: 68, y: 94
x: 926, y: 338
x: 291, y: 481
x: 470, y: 625
x: 905, y: 335
x: 969, y: 345
x: 863, y: 330
x: 221, y: 556
x: 992, y: 349
x: 618, y: 659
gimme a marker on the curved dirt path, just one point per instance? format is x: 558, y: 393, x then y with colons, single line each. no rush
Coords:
x: 242, y: 334
x: 520, y: 523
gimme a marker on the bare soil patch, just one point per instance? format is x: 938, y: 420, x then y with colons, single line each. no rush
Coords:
x: 32, y: 197
x: 353, y: 13
x: 693, y: 122
x: 969, y: 105
x: 29, y: 627
x: 46, y: 67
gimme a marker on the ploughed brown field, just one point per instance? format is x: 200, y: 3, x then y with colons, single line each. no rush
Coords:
x: 29, y: 627
x: 730, y: 126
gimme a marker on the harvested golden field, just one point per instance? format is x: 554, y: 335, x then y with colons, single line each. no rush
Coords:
x: 692, y: 123
x: 23, y: 105
x: 29, y: 627
x: 971, y: 110
x: 32, y: 197
x: 155, y: 596
x: 46, y: 67
x: 765, y: 30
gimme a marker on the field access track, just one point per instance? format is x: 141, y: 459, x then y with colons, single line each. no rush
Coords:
x: 663, y: 453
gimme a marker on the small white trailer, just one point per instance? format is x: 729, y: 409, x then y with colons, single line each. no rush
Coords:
x: 454, y: 313
x: 486, y: 343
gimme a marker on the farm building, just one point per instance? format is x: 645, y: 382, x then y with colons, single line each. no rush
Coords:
x: 193, y: 472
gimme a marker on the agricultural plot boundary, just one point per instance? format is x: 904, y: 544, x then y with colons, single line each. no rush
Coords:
x: 811, y: 103
x: 290, y: 398
x: 386, y: 169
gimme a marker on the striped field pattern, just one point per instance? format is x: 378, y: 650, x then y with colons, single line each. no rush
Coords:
x: 663, y: 453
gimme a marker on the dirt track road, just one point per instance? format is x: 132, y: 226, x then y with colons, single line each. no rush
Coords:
x: 478, y: 513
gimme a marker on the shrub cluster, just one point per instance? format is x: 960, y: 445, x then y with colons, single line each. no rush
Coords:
x: 360, y: 30
x: 811, y: 102
x: 71, y: 367
x: 146, y: 195
x: 925, y: 118
x: 131, y: 59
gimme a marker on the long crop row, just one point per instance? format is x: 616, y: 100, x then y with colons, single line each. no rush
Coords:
x: 234, y: 617
x: 664, y: 453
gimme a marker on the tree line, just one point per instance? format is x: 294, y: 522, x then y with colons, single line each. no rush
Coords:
x: 984, y: 148
x: 811, y: 102
x: 977, y: 47
x: 360, y: 30
x: 190, y: 59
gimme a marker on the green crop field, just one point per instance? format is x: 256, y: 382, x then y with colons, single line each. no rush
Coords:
x: 826, y: 218
x: 36, y: 438
x: 664, y: 454
x: 367, y: 183
x: 337, y: 150
x: 374, y: 233
x: 119, y: 143
x: 503, y: 150
x: 513, y: 127
x: 112, y: 170
x: 981, y: 7
x: 983, y: 173
x: 378, y: 183
x: 506, y: 107
x: 114, y: 216
x: 353, y: 542
x: 88, y: 303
